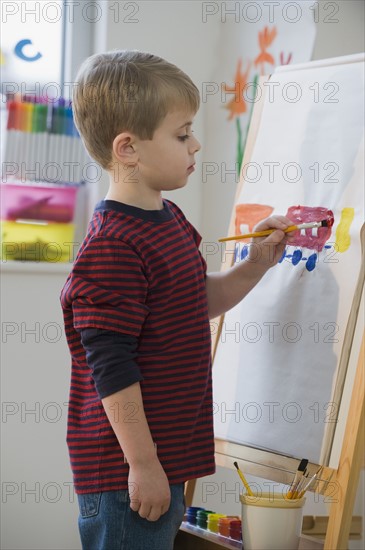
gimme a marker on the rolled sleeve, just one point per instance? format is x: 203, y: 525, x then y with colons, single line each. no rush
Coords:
x: 111, y: 358
x: 109, y: 288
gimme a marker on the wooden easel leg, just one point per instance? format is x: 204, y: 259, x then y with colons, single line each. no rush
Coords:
x: 349, y: 466
x: 189, y: 491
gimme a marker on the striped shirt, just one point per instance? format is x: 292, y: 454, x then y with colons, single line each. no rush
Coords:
x: 139, y: 274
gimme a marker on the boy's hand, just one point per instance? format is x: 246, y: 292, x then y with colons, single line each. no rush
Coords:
x: 227, y: 288
x: 149, y: 490
x: 267, y: 251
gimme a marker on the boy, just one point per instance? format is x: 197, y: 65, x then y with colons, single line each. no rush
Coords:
x: 137, y: 306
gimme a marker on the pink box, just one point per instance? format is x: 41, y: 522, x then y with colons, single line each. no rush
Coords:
x: 47, y: 202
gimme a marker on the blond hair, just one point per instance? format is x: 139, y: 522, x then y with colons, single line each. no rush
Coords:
x: 127, y: 91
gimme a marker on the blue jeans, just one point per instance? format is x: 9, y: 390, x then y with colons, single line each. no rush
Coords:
x: 106, y: 522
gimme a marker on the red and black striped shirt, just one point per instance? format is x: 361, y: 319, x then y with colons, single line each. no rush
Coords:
x: 139, y: 274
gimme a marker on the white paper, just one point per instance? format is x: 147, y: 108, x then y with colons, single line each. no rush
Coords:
x: 274, y: 376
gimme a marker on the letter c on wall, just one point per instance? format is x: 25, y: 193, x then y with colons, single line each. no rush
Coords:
x: 18, y: 50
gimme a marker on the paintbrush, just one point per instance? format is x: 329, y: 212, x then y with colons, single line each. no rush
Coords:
x: 298, y: 476
x: 307, y: 485
x: 244, y: 480
x: 302, y: 483
x: 309, y: 225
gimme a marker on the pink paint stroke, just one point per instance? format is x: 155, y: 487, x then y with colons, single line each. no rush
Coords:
x: 305, y: 214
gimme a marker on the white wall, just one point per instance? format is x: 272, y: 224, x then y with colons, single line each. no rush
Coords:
x: 340, y: 28
x: 39, y: 508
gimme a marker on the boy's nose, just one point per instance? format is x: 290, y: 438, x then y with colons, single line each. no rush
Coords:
x: 195, y: 145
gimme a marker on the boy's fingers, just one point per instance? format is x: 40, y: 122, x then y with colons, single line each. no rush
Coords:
x: 145, y: 510
x: 154, y: 514
x: 276, y: 237
x: 135, y: 505
x: 275, y: 222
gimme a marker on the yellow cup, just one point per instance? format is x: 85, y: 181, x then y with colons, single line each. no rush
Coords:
x: 212, y: 522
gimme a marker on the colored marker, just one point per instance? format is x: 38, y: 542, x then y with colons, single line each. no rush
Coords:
x: 27, y: 161
x: 40, y: 138
x: 70, y: 153
x: 55, y: 144
x: 12, y: 143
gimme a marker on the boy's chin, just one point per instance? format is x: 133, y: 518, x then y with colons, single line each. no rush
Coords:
x: 173, y: 186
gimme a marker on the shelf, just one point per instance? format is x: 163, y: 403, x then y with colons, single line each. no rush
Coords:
x: 190, y: 537
x: 207, y: 539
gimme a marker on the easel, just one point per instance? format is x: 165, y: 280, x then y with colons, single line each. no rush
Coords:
x: 344, y: 480
x: 339, y: 484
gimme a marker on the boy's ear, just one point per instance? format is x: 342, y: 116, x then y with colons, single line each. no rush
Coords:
x: 123, y: 149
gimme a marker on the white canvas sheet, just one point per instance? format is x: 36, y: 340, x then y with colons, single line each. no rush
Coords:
x: 279, y: 349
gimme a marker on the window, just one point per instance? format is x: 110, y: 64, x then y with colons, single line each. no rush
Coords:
x: 44, y: 43
x: 32, y: 47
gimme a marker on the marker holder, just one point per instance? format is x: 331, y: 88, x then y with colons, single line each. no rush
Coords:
x: 271, y: 521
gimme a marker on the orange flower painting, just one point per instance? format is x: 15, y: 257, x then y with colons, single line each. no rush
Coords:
x: 237, y: 105
x: 266, y: 38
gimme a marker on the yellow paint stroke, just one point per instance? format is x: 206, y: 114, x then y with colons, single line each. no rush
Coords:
x: 343, y: 239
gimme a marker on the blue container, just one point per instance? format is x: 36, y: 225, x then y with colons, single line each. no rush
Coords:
x: 191, y: 512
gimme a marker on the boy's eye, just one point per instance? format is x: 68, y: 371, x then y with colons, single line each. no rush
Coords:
x: 183, y: 138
